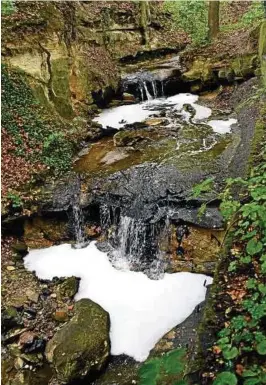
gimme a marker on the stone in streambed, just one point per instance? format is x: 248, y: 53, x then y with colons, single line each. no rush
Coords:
x: 10, y: 318
x: 128, y: 97
x: 82, y: 346
x: 61, y: 315
x: 69, y: 287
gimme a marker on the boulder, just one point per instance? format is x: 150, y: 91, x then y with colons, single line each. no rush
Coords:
x: 201, y: 70
x: 81, y: 348
x: 128, y: 97
x: 10, y: 318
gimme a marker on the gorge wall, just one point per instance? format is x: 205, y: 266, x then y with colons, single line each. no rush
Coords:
x: 70, y: 50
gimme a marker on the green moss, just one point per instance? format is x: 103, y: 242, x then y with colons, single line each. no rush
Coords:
x: 244, y: 65
x: 201, y: 70
x: 262, y: 51
x: 82, y: 346
x: 60, y: 76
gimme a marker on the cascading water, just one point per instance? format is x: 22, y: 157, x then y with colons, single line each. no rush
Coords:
x: 144, y: 89
x: 78, y: 226
x: 149, y: 96
x: 145, y: 84
x: 135, y: 243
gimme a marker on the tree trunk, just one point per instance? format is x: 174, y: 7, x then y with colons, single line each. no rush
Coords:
x: 144, y: 19
x: 214, y: 6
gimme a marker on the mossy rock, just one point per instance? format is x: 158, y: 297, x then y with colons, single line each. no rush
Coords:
x: 226, y: 73
x: 69, y: 287
x: 10, y: 318
x: 262, y: 51
x: 130, y: 138
x: 81, y: 348
x: 244, y: 66
x: 200, y: 70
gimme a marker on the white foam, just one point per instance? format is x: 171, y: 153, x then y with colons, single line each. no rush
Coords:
x: 141, y: 310
x: 202, y: 112
x: 222, y: 126
x: 117, y: 117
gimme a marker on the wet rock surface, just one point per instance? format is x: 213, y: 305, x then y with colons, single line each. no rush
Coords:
x: 121, y: 370
x: 82, y: 346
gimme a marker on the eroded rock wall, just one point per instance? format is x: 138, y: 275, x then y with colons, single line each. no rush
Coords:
x: 70, y: 50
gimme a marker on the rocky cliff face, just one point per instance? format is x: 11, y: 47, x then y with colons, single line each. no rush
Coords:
x: 70, y: 50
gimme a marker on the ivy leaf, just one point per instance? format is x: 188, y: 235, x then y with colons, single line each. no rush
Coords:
x: 232, y: 266
x: 249, y: 373
x: 203, y: 187
x: 263, y: 268
x: 249, y: 235
x: 254, y: 247
x: 251, y: 283
x: 252, y: 381
x: 173, y: 362
x: 149, y: 372
x: 262, y: 288
x: 261, y: 348
x: 225, y: 378
x: 230, y: 353
x: 246, y: 259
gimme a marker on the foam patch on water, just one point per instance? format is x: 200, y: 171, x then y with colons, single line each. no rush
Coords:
x: 222, y: 126
x: 117, y: 117
x: 202, y: 112
x: 141, y: 310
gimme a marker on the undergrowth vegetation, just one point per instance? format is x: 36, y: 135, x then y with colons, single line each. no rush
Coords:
x: 33, y: 140
x: 240, y: 349
x: 166, y: 370
x: 192, y: 16
x: 252, y: 17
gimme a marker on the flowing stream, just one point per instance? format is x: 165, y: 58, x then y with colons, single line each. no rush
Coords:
x: 119, y: 117
x: 129, y: 281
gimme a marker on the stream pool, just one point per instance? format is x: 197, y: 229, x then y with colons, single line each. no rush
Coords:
x: 141, y: 310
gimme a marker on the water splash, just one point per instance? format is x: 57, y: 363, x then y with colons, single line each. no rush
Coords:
x: 135, y: 243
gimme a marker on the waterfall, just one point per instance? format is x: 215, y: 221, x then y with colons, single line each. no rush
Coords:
x: 162, y: 88
x: 153, y: 83
x: 78, y: 225
x: 141, y: 92
x: 135, y: 243
x: 132, y: 237
x: 149, y: 96
x: 146, y: 85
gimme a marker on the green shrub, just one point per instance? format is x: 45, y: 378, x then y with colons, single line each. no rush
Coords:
x: 15, y: 200
x: 192, y: 17
x: 167, y: 369
x: 252, y: 17
x: 7, y: 7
